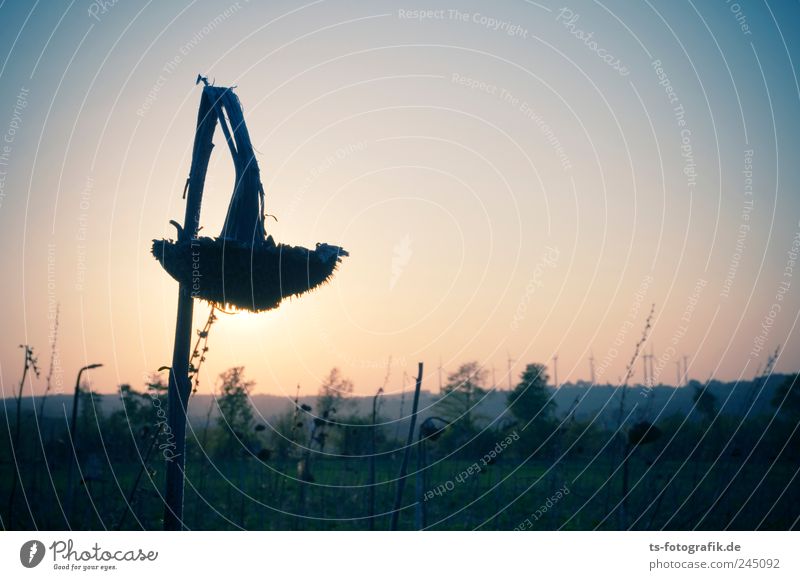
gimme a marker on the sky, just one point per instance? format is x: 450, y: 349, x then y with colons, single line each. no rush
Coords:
x: 514, y: 181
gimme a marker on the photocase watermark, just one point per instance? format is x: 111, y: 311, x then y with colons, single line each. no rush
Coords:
x: 475, y: 84
x: 490, y: 23
x: 477, y: 467
x: 100, y: 8
x: 173, y: 63
x: 196, y: 274
x: 744, y: 225
x: 551, y: 501
x: 401, y: 256
x: 691, y: 305
x: 195, y: 247
x: 627, y: 325
x: 677, y: 336
x: 82, y: 236
x: 320, y: 169
x: 784, y: 285
x: 549, y: 259
x: 741, y: 17
x: 568, y: 19
x: 95, y: 558
x: 358, y: 363
x: 520, y: 105
x: 168, y: 446
x: 405, y: 14
x: 7, y: 145
x: 483, y: 20
x: 687, y: 151
x: 52, y: 320
x: 31, y: 553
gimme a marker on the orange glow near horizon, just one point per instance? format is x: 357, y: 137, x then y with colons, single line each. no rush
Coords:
x: 500, y: 197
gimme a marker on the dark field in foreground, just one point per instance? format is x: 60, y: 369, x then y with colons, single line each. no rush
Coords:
x: 331, y: 464
x: 576, y: 493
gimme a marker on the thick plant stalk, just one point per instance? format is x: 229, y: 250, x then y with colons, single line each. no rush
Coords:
x: 53, y: 354
x: 420, y: 516
x: 15, y: 440
x: 242, y: 267
x: 401, y: 482
x: 73, y: 438
x: 132, y: 493
x: 627, y: 451
x: 180, y: 385
x: 373, y: 450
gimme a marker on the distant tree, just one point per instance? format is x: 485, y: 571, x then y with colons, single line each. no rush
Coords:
x: 642, y: 433
x: 330, y: 400
x: 156, y: 386
x: 129, y: 426
x: 90, y: 402
x: 583, y: 438
x: 90, y: 417
x: 704, y: 400
x: 128, y: 431
x: 530, y: 401
x: 236, y: 414
x: 287, y: 435
x: 787, y: 397
x: 332, y: 392
x: 784, y: 433
x: 355, y: 437
x: 463, y: 391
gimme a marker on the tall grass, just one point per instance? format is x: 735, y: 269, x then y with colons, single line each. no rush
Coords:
x: 31, y: 364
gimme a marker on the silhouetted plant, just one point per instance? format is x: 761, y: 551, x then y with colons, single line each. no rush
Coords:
x: 236, y: 413
x: 642, y: 433
x: 31, y: 364
x: 787, y: 398
x: 201, y: 349
x: 627, y: 450
x: 704, y: 400
x: 432, y: 428
x: 464, y: 388
x: 53, y: 360
x: 531, y: 404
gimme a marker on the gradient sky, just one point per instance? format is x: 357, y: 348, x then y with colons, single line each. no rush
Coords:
x: 502, y: 189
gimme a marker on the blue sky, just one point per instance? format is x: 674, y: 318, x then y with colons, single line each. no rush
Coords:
x: 512, y: 180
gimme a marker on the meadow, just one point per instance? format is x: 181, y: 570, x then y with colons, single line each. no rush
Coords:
x: 296, y: 471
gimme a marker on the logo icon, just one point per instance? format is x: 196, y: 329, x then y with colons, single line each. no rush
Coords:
x: 400, y: 259
x: 31, y: 553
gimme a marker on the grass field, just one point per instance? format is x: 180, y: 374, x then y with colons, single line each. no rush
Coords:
x: 575, y: 494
